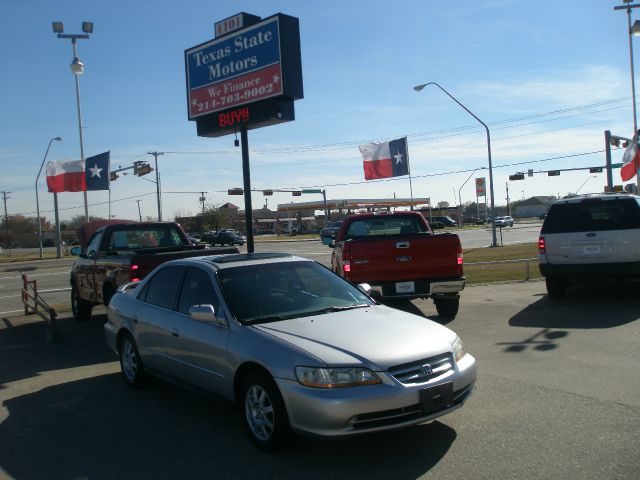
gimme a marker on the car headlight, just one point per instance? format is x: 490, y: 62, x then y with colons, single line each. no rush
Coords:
x: 317, y: 377
x: 458, y: 349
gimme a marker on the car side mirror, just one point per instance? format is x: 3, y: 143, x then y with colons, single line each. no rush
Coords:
x: 76, y: 251
x: 365, y: 288
x: 203, y: 313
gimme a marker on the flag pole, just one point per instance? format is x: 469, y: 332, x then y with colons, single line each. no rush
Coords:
x: 406, y: 144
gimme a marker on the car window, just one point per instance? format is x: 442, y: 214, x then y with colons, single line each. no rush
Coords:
x: 197, y: 289
x: 94, y: 244
x: 592, y: 215
x: 275, y: 291
x: 379, y: 226
x: 163, y: 287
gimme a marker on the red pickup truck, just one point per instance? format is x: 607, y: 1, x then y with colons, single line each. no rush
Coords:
x: 115, y: 252
x: 401, y: 258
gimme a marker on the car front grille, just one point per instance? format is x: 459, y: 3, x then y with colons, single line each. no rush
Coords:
x: 396, y: 416
x: 423, y: 371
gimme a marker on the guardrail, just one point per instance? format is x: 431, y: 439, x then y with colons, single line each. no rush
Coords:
x: 517, y: 260
x: 32, y: 301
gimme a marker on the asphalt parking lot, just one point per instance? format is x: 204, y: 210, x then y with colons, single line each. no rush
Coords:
x: 558, y: 396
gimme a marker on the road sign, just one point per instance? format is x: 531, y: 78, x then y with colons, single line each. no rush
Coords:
x: 235, y: 191
x: 312, y: 190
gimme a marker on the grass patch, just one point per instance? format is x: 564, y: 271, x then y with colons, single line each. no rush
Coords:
x: 26, y: 257
x: 501, y: 272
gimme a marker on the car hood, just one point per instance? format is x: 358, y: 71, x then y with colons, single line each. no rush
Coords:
x: 377, y: 337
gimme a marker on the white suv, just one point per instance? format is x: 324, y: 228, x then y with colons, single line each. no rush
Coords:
x: 590, y: 238
x: 505, y: 221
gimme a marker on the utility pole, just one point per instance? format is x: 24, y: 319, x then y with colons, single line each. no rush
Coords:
x: 508, y: 204
x: 155, y: 155
x: 202, y: 199
x: 139, y: 214
x: 6, y: 218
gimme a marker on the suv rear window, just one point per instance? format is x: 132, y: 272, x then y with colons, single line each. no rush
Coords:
x: 591, y: 215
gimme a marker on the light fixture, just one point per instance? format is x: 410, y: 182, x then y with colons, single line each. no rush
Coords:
x: 57, y: 27
x: 87, y: 27
x: 635, y: 30
x: 77, y: 67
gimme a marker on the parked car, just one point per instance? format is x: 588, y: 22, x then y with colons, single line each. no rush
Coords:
x: 446, y: 221
x: 298, y: 348
x: 228, y: 237
x: 401, y: 258
x: 504, y: 221
x: 328, y: 233
x: 590, y: 239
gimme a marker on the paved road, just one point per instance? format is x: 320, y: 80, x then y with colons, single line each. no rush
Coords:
x: 52, y: 276
x: 557, y: 397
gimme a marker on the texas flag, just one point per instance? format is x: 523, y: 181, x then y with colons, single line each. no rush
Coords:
x: 387, y: 159
x: 79, y: 176
x: 630, y: 161
x: 66, y: 176
x: 96, y: 172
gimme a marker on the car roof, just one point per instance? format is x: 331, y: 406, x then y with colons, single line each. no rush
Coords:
x: 220, y: 262
x: 601, y: 196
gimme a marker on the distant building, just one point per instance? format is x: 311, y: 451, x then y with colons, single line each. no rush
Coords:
x: 532, y: 207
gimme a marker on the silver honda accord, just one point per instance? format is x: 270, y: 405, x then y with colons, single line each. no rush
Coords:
x: 296, y: 347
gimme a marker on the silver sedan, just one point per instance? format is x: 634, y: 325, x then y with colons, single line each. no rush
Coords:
x: 299, y: 349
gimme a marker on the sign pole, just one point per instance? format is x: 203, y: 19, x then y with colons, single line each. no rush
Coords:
x: 246, y: 177
x: 57, y: 217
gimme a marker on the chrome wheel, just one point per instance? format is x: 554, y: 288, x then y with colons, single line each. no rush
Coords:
x: 129, y: 361
x: 259, y: 412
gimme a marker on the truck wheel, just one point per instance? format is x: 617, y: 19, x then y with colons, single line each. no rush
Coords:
x: 447, y: 307
x: 555, y: 287
x: 81, y: 308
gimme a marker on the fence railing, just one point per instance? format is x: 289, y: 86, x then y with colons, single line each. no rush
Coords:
x: 35, y: 304
x: 526, y: 262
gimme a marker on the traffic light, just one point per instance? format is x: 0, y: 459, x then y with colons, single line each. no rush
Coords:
x: 517, y: 176
x: 140, y: 169
x: 267, y: 193
x: 296, y: 194
x: 553, y: 173
x: 113, y: 176
x: 595, y: 170
x: 235, y: 191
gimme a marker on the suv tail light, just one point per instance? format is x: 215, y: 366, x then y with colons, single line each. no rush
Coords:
x: 346, y: 261
x: 134, y: 275
x: 541, y: 246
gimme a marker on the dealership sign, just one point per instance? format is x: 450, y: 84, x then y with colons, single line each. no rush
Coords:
x: 481, y: 189
x: 258, y: 65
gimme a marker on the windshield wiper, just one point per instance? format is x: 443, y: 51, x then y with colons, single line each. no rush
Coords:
x: 336, y: 308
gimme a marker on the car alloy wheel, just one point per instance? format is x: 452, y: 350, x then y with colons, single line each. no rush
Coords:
x: 264, y: 414
x: 130, y: 362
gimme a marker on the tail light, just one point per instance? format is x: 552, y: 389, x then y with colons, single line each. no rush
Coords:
x: 134, y: 275
x: 346, y: 261
x: 541, y: 245
x: 459, y: 258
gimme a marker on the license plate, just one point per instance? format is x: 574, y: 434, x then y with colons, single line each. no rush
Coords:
x: 591, y: 249
x: 405, y: 287
x: 436, y: 398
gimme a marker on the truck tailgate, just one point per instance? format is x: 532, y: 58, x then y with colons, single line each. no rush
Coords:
x: 408, y: 258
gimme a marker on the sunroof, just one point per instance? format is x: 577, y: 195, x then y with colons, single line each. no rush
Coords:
x: 242, y: 257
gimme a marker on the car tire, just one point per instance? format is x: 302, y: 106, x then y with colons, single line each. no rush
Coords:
x: 556, y: 287
x: 81, y: 308
x: 264, y: 415
x: 447, y: 307
x: 130, y: 361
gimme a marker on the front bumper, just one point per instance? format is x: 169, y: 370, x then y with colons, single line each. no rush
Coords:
x: 357, y: 410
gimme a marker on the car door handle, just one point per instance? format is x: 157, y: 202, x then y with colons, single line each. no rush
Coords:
x: 134, y: 318
x: 175, y: 332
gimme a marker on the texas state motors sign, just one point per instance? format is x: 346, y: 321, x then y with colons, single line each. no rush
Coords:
x: 250, y: 74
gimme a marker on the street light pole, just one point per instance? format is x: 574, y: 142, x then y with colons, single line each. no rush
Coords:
x: 632, y: 30
x: 418, y: 88
x: 57, y: 139
x: 155, y: 156
x: 77, y: 68
x: 460, y: 198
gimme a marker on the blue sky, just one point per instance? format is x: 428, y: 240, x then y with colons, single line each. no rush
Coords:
x: 548, y: 77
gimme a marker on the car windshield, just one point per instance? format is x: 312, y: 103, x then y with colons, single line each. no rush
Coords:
x: 278, y: 291
x: 141, y: 237
x: 381, y: 226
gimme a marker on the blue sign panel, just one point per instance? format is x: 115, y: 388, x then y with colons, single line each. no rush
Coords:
x: 240, y: 68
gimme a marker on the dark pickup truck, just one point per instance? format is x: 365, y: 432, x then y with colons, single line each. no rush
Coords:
x: 115, y: 252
